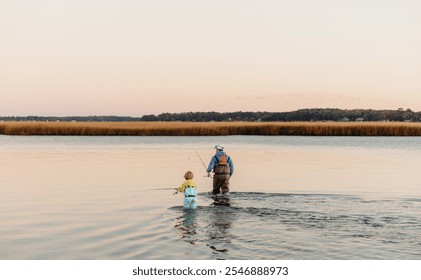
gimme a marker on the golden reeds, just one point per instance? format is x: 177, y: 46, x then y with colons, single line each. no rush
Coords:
x: 212, y: 128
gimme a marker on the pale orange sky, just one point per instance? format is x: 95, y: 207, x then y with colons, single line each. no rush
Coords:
x: 94, y: 57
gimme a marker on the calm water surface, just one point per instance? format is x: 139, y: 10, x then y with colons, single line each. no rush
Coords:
x: 291, y: 198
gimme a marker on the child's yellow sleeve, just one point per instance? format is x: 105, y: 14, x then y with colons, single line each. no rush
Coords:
x: 183, y: 186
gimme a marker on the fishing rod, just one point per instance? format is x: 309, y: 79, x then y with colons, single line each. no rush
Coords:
x: 159, y: 189
x: 201, y: 160
x: 164, y: 189
x: 206, y: 169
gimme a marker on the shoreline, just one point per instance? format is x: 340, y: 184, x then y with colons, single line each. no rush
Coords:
x: 211, y: 128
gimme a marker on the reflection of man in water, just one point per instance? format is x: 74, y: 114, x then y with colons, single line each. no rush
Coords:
x: 223, y: 168
x: 221, y: 200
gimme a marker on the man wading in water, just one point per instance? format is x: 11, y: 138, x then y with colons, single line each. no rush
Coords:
x: 223, y: 167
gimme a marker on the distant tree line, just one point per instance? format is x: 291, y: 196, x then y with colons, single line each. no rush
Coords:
x: 299, y: 115
x: 71, y: 119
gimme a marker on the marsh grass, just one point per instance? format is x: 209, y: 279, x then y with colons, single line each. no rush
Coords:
x: 211, y: 128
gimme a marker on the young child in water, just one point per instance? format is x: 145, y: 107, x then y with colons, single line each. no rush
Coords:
x: 189, y: 189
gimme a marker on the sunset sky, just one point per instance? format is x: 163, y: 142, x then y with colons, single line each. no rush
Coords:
x: 134, y: 57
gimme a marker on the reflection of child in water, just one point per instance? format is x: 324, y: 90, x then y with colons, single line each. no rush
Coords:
x: 186, y: 224
x: 189, y: 189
